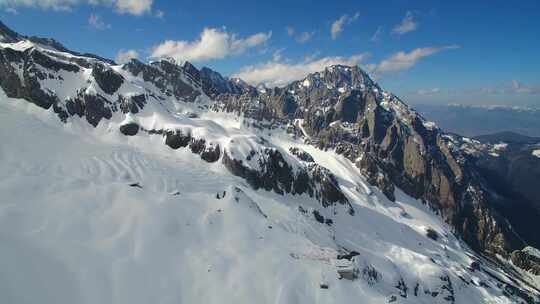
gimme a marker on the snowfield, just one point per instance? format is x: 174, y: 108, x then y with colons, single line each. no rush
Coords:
x: 88, y: 215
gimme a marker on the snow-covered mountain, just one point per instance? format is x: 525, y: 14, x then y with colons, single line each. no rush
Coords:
x: 142, y: 183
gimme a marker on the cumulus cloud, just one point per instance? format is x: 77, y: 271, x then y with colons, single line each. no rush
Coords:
x: 124, y: 56
x: 274, y: 73
x: 337, y: 26
x: 97, y: 22
x: 402, y: 61
x: 408, y: 24
x: 134, y: 7
x: 212, y: 44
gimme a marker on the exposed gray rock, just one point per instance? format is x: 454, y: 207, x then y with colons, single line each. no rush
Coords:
x: 108, y: 80
x: 526, y: 261
x: 214, y: 84
x: 176, y: 139
x: 301, y: 154
x: 129, y: 129
x: 432, y: 234
x: 132, y: 104
x: 168, y: 77
x: 275, y: 174
x: 208, y: 152
x: 92, y: 107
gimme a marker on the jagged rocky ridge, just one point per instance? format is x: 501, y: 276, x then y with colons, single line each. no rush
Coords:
x: 340, y: 108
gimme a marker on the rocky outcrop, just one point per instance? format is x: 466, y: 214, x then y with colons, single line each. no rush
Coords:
x: 209, y: 153
x: 526, y: 260
x: 170, y: 78
x: 301, y: 154
x: 108, y: 80
x: 214, y: 84
x: 129, y: 129
x: 92, y: 107
x: 177, y: 139
x: 132, y: 104
x: 273, y: 173
x: 26, y: 85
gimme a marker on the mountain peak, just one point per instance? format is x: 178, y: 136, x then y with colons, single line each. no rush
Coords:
x: 339, y: 77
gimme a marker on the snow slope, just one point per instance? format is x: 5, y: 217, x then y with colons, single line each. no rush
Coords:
x: 89, y: 215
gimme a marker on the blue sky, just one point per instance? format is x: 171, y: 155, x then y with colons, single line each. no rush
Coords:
x: 480, y: 52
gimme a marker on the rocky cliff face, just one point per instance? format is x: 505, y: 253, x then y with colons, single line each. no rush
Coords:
x: 340, y: 108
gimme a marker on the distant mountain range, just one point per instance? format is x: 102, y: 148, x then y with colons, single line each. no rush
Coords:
x: 481, y: 120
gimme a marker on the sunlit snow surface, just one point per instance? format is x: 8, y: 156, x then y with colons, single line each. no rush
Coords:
x: 73, y: 230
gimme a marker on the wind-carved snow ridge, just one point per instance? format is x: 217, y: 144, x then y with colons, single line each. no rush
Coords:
x: 145, y: 187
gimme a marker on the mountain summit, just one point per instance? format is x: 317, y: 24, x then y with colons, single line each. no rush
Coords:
x: 160, y: 182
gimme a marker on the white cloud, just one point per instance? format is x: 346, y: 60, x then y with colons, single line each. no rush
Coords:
x: 304, y: 37
x: 337, y: 26
x: 276, y: 55
x: 212, y: 44
x: 134, y: 7
x: 124, y: 56
x: 11, y: 10
x: 519, y: 88
x: 377, y: 35
x: 159, y: 13
x: 408, y: 24
x: 300, y: 37
x: 274, y: 73
x: 401, y: 61
x: 96, y: 22
x: 428, y: 92
x: 290, y: 30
